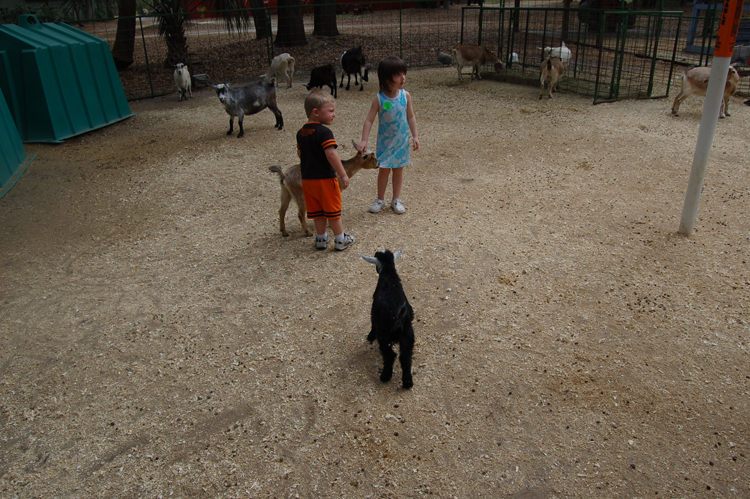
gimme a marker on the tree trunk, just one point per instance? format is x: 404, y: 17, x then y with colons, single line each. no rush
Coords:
x: 261, y: 21
x: 325, y: 18
x: 122, y: 50
x: 177, y: 46
x: 291, y: 30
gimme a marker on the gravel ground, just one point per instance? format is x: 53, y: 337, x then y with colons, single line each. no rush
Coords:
x: 160, y: 338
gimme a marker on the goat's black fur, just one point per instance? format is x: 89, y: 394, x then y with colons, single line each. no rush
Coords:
x: 391, y: 318
x: 352, y: 63
x: 323, y: 75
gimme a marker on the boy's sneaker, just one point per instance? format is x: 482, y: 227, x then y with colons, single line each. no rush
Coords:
x: 321, y: 243
x: 397, y: 206
x: 345, y: 243
x: 377, y: 206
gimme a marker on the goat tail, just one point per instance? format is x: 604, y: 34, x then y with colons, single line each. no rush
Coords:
x: 549, y: 64
x: 277, y: 169
x: 401, y: 316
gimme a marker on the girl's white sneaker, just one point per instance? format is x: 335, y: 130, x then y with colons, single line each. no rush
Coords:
x: 397, y: 206
x: 377, y: 206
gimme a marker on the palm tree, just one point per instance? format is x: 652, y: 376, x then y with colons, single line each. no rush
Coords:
x: 173, y: 17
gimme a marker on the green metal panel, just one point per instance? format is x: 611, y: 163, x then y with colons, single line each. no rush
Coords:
x: 58, y: 81
x: 13, y: 157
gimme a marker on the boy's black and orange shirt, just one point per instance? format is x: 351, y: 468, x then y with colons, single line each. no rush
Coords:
x: 312, y: 140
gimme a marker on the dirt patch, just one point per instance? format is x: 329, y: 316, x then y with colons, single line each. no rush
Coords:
x: 161, y: 338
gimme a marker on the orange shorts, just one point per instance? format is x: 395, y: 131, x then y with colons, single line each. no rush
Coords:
x: 322, y: 198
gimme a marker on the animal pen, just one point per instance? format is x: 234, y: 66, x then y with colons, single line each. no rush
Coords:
x: 616, y: 54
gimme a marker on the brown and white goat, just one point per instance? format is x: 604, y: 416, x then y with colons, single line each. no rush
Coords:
x: 551, y: 70
x: 475, y: 56
x: 695, y: 82
x: 291, y: 185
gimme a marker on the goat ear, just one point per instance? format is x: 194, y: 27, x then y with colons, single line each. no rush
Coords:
x: 354, y: 144
x: 397, y: 254
x: 370, y: 259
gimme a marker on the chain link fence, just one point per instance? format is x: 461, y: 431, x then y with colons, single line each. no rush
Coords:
x: 616, y: 54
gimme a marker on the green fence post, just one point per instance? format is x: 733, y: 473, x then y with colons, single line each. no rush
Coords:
x: 462, y: 24
x: 659, y: 24
x: 145, y: 54
x: 600, y: 46
x: 269, y: 38
x: 674, y: 53
x: 481, y: 21
x: 401, y: 30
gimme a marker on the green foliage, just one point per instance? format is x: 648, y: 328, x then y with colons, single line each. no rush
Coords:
x: 81, y: 9
x: 44, y: 13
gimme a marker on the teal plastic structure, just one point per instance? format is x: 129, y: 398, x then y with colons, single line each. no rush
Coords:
x: 58, y: 81
x: 13, y: 157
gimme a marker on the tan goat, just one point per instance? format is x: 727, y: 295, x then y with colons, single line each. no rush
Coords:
x: 291, y: 185
x: 695, y: 82
x: 282, y: 66
x: 551, y: 70
x: 475, y: 56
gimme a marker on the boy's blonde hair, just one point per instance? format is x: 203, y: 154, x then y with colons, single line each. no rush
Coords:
x: 316, y: 100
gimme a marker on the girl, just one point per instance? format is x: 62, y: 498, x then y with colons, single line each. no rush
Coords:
x: 392, y: 106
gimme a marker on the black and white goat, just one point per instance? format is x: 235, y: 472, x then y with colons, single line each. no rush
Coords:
x: 352, y: 63
x: 391, y: 317
x: 249, y: 99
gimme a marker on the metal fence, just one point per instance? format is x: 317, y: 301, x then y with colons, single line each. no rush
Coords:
x: 616, y: 54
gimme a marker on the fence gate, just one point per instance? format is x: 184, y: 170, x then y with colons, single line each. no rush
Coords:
x: 616, y: 54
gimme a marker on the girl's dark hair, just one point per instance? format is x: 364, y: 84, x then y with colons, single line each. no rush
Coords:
x: 388, y: 68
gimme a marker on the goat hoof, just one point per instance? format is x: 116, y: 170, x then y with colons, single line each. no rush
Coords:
x: 240, y: 135
x: 229, y: 132
x: 285, y: 234
x: 408, y: 384
x: 386, y: 377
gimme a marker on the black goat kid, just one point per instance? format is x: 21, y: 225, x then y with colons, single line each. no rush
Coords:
x: 391, y: 317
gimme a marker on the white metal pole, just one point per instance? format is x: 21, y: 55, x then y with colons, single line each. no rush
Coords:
x: 714, y: 96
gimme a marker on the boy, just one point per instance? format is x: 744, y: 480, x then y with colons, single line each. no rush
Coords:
x: 319, y: 164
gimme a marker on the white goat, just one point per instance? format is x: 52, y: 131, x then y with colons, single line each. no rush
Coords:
x: 282, y: 66
x: 183, y: 81
x: 551, y: 70
x: 695, y: 82
x: 562, y: 52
